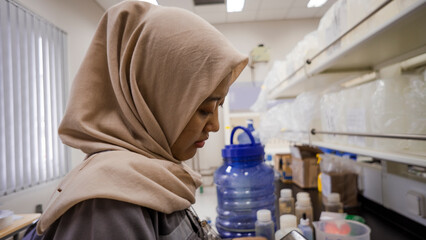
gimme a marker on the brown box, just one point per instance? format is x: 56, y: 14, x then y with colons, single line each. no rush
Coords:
x: 305, y: 172
x: 286, y: 157
x: 282, y: 164
x: 305, y: 166
x: 344, y: 183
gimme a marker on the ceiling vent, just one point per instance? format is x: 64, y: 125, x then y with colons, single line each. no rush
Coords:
x: 208, y: 2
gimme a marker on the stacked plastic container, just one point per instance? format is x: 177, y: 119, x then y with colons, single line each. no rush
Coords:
x: 245, y: 184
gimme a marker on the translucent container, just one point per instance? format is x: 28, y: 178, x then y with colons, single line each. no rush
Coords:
x: 306, y: 229
x: 287, y: 224
x: 341, y: 230
x: 245, y: 184
x: 264, y: 225
x: 286, y: 202
x: 304, y: 206
x: 333, y: 203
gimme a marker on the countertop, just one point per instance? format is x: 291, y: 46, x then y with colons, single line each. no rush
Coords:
x: 384, y: 223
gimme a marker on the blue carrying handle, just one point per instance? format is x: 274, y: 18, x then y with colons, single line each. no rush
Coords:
x: 245, y: 130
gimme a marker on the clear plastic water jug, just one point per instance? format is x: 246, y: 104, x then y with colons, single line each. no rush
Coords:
x: 245, y: 184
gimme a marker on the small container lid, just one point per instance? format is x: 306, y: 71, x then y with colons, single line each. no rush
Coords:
x: 300, y: 195
x: 263, y: 215
x: 304, y: 221
x: 286, y: 193
x: 288, y: 221
x: 333, y: 198
x: 305, y: 202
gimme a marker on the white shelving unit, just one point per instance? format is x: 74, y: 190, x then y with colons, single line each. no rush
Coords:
x: 380, y: 40
x: 388, y: 155
x: 393, y: 33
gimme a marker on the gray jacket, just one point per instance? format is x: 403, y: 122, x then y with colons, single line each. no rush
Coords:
x: 110, y: 219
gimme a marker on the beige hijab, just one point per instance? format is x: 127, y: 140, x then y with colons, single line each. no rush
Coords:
x: 146, y: 72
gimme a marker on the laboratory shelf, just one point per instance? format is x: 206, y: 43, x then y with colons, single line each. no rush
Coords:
x: 392, y: 34
x: 301, y: 83
x: 402, y: 157
x: 406, y: 158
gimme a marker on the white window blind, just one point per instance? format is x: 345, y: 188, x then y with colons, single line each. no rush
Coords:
x: 32, y: 99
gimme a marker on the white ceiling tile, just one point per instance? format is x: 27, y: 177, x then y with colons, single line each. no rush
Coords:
x: 265, y: 10
x: 213, y: 8
x: 296, y: 12
x: 300, y: 3
x: 275, y: 4
x: 214, y: 18
x: 270, y: 15
x: 245, y: 16
x: 105, y: 4
x: 252, y: 5
x: 187, y: 4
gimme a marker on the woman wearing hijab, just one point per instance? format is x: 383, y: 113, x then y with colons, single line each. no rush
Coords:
x: 145, y: 98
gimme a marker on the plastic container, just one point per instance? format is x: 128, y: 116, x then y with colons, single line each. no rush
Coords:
x: 306, y: 229
x: 264, y: 225
x: 287, y: 224
x: 286, y: 202
x: 304, y: 206
x: 301, y: 195
x: 341, y: 230
x: 243, y: 138
x: 333, y: 203
x: 245, y: 184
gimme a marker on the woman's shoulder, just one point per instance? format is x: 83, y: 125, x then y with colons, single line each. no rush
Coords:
x: 102, y: 218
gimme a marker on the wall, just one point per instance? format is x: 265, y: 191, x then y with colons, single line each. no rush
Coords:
x: 280, y: 37
x: 78, y: 18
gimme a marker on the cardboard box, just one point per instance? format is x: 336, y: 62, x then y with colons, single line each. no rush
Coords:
x: 344, y: 183
x: 304, y: 166
x: 305, y: 172
x: 282, y: 163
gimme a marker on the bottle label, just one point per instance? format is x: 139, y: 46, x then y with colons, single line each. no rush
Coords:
x: 285, y: 208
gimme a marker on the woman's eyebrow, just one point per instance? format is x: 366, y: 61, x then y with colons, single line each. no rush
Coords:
x: 209, y: 99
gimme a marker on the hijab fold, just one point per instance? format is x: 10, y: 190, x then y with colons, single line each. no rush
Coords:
x: 146, y: 71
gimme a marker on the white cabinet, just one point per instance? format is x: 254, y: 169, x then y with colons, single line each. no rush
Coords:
x: 396, y: 31
x: 392, y: 33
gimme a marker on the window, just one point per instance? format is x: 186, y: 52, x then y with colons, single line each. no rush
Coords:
x: 32, y: 99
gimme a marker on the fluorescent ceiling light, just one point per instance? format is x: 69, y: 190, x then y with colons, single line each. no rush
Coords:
x: 150, y: 1
x: 316, y: 3
x: 234, y: 5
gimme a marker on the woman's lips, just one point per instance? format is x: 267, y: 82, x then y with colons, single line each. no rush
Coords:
x: 200, y: 144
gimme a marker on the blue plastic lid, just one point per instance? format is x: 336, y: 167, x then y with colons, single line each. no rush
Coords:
x: 242, y: 150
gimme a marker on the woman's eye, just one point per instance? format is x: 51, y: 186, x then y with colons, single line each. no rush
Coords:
x: 204, y: 113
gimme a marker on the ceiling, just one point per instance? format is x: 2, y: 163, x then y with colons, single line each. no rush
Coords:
x: 254, y: 10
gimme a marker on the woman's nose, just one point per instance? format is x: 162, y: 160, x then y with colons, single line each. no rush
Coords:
x: 213, y: 124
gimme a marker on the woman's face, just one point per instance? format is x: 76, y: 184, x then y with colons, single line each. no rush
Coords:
x: 204, y: 120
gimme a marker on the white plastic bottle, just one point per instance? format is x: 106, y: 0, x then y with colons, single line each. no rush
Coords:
x: 303, y: 205
x: 264, y: 226
x: 243, y: 138
x: 333, y: 203
x: 300, y: 195
x: 306, y: 229
x: 287, y: 224
x: 286, y: 202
